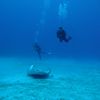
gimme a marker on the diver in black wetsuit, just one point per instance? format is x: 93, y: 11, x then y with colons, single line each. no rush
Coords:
x: 38, y: 50
x: 62, y: 36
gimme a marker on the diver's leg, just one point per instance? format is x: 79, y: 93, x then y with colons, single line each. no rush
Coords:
x: 39, y: 55
x: 67, y: 39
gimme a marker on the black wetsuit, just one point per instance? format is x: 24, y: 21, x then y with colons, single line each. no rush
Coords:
x: 62, y: 36
x: 38, y: 50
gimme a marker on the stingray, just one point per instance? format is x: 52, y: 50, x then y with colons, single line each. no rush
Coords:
x: 38, y: 74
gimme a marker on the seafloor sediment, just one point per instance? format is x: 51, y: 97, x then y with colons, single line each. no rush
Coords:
x: 59, y: 89
x: 77, y: 84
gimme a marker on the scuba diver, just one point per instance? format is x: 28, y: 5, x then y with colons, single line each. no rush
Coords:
x: 38, y: 50
x: 62, y: 36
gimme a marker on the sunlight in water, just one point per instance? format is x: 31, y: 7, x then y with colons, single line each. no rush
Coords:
x: 42, y: 21
x: 45, y: 8
x: 63, y: 10
x: 46, y: 3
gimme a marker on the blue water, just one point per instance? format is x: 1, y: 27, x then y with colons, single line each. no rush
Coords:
x: 22, y: 22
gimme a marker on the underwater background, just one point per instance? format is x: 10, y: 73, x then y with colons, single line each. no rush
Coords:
x: 21, y: 20
x: 75, y: 65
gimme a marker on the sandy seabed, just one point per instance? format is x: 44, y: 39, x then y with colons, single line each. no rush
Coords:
x: 70, y: 80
